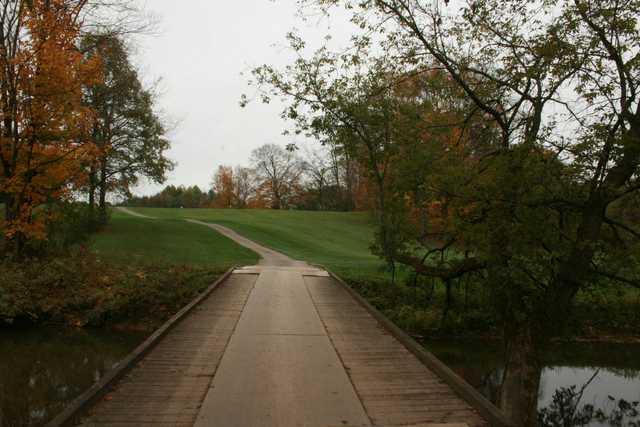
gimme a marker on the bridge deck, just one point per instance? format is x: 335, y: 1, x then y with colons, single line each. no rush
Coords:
x: 394, y: 387
x: 281, y: 346
x: 167, y: 387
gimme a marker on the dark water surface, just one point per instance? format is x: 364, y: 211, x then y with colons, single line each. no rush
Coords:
x: 616, y: 368
x: 42, y: 370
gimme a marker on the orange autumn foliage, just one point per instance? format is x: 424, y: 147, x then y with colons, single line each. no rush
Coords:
x: 224, y: 188
x: 446, y: 135
x: 44, y: 126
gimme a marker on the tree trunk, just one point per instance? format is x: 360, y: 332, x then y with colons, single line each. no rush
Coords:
x: 8, y: 211
x: 521, y: 379
x: 448, y: 300
x: 16, y: 243
x: 92, y: 199
x: 9, y: 215
x: 277, y: 202
x: 102, y: 216
x: 350, y: 200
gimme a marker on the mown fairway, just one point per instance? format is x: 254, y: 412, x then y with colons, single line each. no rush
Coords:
x: 337, y: 240
x: 166, y: 241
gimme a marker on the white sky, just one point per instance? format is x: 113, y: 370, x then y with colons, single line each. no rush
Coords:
x: 202, y: 48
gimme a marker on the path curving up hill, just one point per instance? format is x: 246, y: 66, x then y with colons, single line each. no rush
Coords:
x: 268, y: 256
x: 133, y: 213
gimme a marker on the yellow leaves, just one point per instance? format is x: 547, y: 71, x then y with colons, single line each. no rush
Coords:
x: 32, y: 229
x: 43, y: 103
x: 105, y: 280
x: 224, y: 187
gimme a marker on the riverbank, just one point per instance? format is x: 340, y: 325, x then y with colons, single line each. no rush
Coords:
x: 139, y: 271
x: 423, y: 310
x: 603, y: 374
x: 82, y: 290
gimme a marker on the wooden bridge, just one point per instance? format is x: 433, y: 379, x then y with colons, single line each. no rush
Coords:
x: 280, y: 344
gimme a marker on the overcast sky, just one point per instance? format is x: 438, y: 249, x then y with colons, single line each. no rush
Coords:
x: 200, y: 51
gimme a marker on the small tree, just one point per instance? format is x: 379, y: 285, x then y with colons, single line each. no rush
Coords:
x: 224, y: 187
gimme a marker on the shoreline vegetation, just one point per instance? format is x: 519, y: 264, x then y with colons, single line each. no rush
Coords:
x: 404, y: 305
x: 81, y: 290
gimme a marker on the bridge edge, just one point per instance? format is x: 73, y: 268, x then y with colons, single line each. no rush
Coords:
x: 485, y: 408
x: 73, y: 411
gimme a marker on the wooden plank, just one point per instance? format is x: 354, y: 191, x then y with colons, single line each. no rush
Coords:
x: 168, y: 383
x: 394, y: 386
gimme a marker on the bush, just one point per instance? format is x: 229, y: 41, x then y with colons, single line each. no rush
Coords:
x: 78, y: 289
x: 69, y: 224
x: 601, y: 310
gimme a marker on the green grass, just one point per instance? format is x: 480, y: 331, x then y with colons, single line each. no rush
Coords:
x: 337, y: 240
x: 167, y: 241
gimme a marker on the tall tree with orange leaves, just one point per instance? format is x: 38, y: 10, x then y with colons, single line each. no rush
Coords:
x: 224, y: 188
x: 44, y: 125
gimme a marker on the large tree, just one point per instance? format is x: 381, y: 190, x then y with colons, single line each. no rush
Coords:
x: 44, y: 126
x: 540, y: 104
x: 244, y: 184
x: 128, y: 133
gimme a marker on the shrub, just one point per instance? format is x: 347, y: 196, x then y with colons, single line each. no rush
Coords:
x: 78, y: 289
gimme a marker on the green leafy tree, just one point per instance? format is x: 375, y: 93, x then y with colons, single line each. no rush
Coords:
x: 129, y: 135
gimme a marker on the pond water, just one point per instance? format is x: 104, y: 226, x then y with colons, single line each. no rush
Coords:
x: 42, y: 370
x: 614, y: 370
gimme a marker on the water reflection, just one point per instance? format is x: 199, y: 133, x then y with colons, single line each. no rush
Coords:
x: 608, y: 382
x: 42, y: 370
x: 607, y: 370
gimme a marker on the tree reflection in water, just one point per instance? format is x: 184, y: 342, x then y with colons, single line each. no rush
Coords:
x: 42, y: 370
x: 567, y: 409
x: 580, y: 384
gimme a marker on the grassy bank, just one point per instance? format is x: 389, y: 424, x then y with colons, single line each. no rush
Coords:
x: 133, y: 240
x: 338, y: 240
x: 607, y: 314
x: 81, y: 290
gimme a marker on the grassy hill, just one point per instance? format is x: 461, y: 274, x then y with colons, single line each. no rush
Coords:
x: 166, y: 241
x: 338, y: 240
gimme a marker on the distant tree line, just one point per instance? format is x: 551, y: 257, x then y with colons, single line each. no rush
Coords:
x: 174, y: 197
x: 276, y: 178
